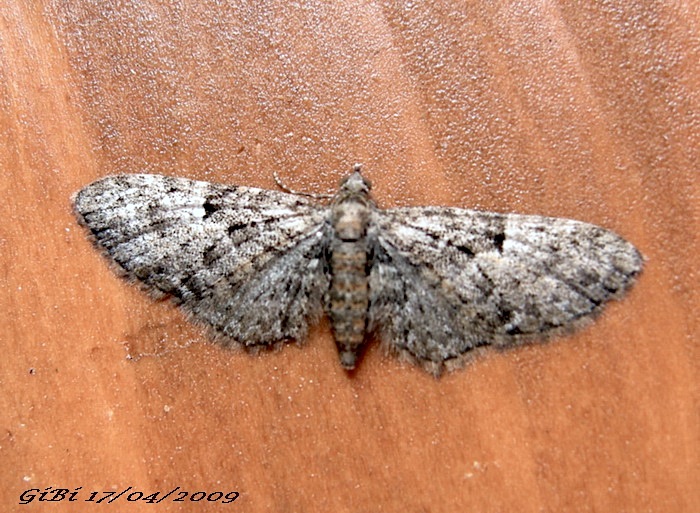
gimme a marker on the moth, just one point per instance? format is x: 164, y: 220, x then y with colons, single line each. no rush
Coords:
x: 432, y: 283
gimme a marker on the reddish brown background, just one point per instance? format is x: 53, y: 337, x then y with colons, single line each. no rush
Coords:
x: 589, y: 112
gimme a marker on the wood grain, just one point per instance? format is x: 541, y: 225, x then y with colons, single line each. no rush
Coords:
x: 586, y: 110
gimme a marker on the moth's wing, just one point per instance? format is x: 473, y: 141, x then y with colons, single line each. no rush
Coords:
x: 249, y: 263
x: 445, y: 281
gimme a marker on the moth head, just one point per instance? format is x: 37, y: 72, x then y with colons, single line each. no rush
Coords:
x: 355, y: 184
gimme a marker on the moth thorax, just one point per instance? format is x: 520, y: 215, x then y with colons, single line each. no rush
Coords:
x: 350, y: 220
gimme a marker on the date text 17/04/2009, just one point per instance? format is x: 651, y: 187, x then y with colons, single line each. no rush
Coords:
x: 51, y: 494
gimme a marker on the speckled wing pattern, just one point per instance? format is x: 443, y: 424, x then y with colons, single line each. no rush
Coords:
x: 434, y: 283
x: 247, y: 262
x: 445, y: 281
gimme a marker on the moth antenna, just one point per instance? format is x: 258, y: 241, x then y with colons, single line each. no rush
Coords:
x: 284, y: 187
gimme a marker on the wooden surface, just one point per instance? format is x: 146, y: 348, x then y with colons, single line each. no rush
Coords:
x: 589, y: 112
